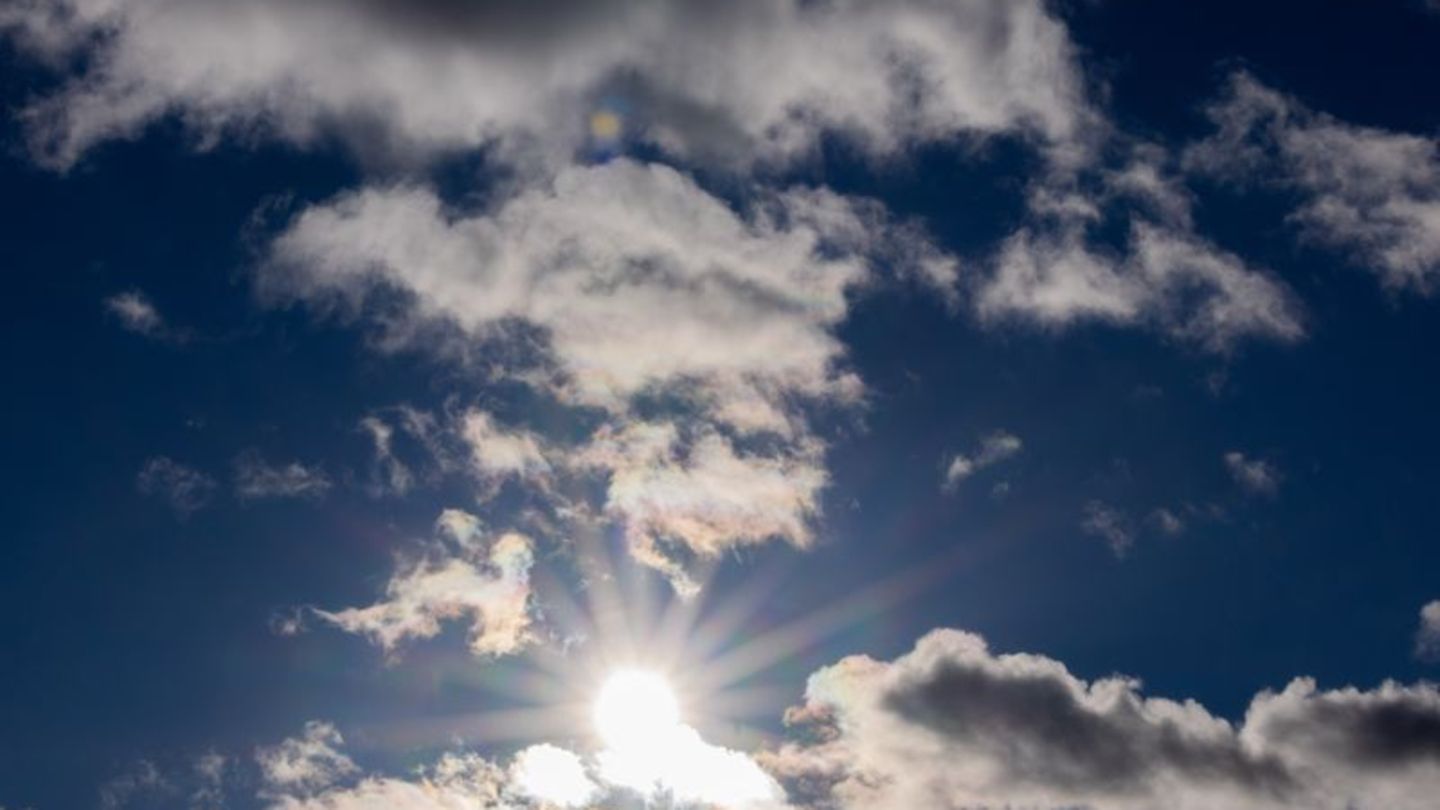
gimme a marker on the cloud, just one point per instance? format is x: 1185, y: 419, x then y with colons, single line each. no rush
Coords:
x: 641, y: 289
x: 462, y: 576
x: 1112, y: 525
x: 186, y: 489
x: 137, y: 313
x: 994, y: 448
x: 735, y: 83
x: 952, y: 725
x: 1173, y: 282
x: 143, y: 780
x: 1427, y: 638
x: 1166, y: 521
x: 1370, y: 192
x: 255, y: 479
x: 497, y: 453
x: 552, y: 775
x: 1256, y: 476
x: 408, y: 447
x: 701, y: 493
x: 687, y: 772
x: 305, y: 765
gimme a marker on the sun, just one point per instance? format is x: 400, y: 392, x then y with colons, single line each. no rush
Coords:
x: 636, y: 709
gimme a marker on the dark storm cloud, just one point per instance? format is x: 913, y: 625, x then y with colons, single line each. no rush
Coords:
x: 952, y: 725
x: 1036, y: 725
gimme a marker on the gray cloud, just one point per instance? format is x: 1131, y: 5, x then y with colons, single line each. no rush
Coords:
x: 953, y: 725
x: 524, y: 78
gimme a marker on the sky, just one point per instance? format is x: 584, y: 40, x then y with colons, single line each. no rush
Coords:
x: 772, y: 405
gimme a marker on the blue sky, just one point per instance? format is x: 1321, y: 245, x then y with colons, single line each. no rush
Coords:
x: 959, y: 404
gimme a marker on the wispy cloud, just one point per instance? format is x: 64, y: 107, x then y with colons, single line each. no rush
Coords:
x: 994, y: 448
x: 255, y: 479
x: 1254, y: 475
x: 185, y: 489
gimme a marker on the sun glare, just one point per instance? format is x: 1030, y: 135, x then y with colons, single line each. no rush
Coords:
x: 636, y: 709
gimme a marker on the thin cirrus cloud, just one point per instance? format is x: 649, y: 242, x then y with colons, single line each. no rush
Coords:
x: 184, y: 488
x: 257, y: 479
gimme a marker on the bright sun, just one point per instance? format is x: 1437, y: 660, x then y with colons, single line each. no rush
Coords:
x: 636, y: 709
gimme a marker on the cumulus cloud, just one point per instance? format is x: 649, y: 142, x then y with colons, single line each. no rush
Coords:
x: 994, y: 448
x: 702, y: 493
x: 462, y: 576
x: 1056, y: 272
x: 1254, y: 475
x: 186, y: 489
x: 1370, y: 192
x: 645, y: 289
x: 1427, y: 638
x: 307, y: 764
x: 737, y: 82
x: 256, y: 479
x: 953, y: 725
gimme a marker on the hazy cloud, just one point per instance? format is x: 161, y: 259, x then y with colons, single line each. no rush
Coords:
x: 136, y: 312
x: 184, y: 488
x: 1427, y: 638
x: 256, y: 479
x: 1110, y: 524
x: 1256, y: 476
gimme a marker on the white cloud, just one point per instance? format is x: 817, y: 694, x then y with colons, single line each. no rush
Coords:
x: 1255, y: 475
x: 255, y: 479
x: 681, y: 771
x: 952, y: 725
x: 643, y: 285
x: 184, y: 488
x: 702, y: 493
x: 759, y: 79
x: 552, y: 775
x: 1427, y: 638
x: 1166, y: 279
x: 137, y: 312
x: 459, y: 578
x: 1370, y: 192
x: 307, y: 764
x: 994, y: 448
x: 1110, y: 524
x: 497, y: 453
